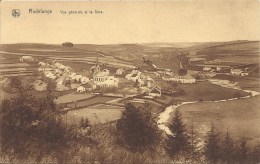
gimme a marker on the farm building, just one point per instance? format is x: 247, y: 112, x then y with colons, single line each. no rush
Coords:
x: 239, y: 72
x: 81, y: 89
x: 186, y: 79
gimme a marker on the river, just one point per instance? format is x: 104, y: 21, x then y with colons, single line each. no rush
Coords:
x: 165, y: 115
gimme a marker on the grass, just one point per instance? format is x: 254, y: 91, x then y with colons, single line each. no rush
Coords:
x: 206, y: 91
x: 241, y: 117
x: 244, y: 82
x: 91, y: 101
x: 95, y: 114
x: 71, y: 97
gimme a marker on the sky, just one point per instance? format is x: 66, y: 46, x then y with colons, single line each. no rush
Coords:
x: 131, y: 22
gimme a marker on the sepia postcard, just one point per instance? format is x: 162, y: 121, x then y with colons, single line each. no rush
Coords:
x: 130, y: 82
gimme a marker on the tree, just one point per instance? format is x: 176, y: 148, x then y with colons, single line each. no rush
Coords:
x: 193, y: 140
x: 212, y: 145
x: 242, y: 151
x: 227, y: 149
x: 137, y: 130
x: 32, y: 128
x: 255, y: 155
x: 16, y: 83
x: 183, y: 72
x: 84, y: 123
x: 51, y: 85
x: 178, y: 143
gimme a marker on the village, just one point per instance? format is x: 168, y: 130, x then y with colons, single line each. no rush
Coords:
x: 98, y: 91
x: 147, y: 82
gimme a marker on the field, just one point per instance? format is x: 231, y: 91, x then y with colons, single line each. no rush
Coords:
x: 241, y: 117
x: 82, y: 56
x: 206, y: 91
x: 95, y: 114
x: 72, y: 97
x: 90, y: 101
x: 248, y: 83
x: 229, y: 53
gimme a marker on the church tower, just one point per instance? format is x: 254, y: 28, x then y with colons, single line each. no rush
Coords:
x: 95, y: 69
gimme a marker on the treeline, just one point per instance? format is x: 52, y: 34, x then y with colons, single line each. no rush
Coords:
x: 137, y: 130
x: 67, y: 44
x: 32, y: 130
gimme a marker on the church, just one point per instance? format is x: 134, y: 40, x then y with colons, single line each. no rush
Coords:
x: 102, y: 78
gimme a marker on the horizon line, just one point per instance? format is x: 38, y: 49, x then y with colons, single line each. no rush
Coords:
x: 130, y: 43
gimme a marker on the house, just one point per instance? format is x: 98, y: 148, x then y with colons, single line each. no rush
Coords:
x: 125, y: 83
x: 244, y: 74
x: 155, y: 92
x: 61, y: 80
x: 134, y: 75
x: 84, y: 80
x: 61, y: 87
x: 120, y: 71
x: 39, y: 85
x: 157, y: 74
x: 236, y: 71
x: 81, y: 89
x: 90, y: 86
x: 26, y: 59
x: 58, y: 71
x: 42, y: 64
x: 72, y: 74
x: 206, y: 68
x: 67, y: 68
x: 77, y: 77
x: 59, y: 65
x: 74, y: 85
x: 186, y: 79
x: 40, y: 69
x: 3, y: 79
